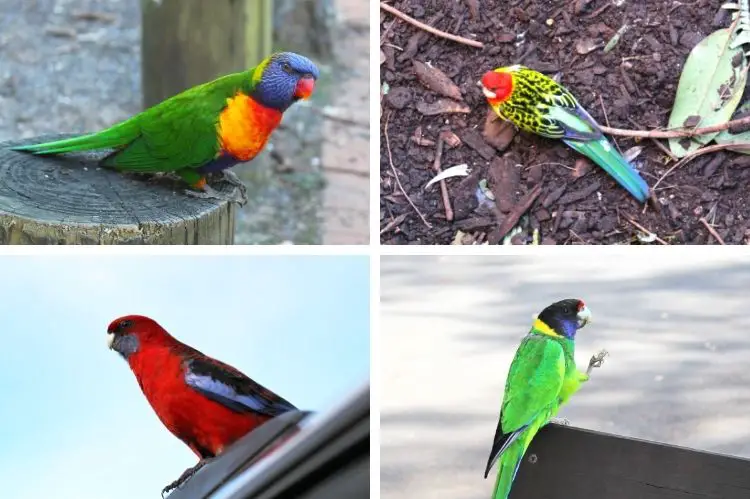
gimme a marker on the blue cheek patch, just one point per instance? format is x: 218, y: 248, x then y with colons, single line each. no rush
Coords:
x: 125, y: 345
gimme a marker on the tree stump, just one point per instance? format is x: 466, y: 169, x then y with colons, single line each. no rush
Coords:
x: 69, y: 199
x: 305, y: 26
x: 188, y: 42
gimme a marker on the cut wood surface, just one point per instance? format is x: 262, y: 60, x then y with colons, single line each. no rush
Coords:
x: 71, y: 200
x: 565, y: 462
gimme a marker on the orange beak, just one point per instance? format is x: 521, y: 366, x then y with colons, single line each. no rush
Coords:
x: 305, y: 87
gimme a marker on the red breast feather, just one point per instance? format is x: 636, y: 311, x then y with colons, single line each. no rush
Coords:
x: 207, y: 427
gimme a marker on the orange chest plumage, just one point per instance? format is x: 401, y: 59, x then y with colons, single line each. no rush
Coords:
x: 244, y: 127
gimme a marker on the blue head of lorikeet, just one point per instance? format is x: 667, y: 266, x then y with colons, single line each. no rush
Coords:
x: 283, y: 79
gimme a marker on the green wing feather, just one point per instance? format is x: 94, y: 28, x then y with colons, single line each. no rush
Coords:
x: 541, y: 105
x: 534, y: 380
x: 531, y: 397
x: 177, y: 133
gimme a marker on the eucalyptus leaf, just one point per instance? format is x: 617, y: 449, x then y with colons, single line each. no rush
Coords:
x: 741, y: 139
x: 710, y: 89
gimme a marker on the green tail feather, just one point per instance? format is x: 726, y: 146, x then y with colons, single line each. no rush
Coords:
x: 507, y: 468
x: 114, y: 137
x: 605, y: 155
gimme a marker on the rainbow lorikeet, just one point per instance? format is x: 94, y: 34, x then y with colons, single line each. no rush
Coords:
x: 542, y: 377
x: 205, y: 129
x: 538, y: 104
x: 205, y: 403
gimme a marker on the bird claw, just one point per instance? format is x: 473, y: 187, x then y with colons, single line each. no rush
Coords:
x: 597, y: 360
x: 560, y: 421
x: 232, y: 178
x: 186, y: 475
x: 238, y: 196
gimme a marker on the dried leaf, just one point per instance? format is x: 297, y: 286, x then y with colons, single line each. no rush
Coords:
x: 436, y: 80
x: 454, y: 171
x: 441, y: 106
x: 419, y: 139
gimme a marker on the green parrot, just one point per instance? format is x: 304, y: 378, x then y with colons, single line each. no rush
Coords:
x: 538, y: 104
x: 205, y: 129
x: 542, y: 377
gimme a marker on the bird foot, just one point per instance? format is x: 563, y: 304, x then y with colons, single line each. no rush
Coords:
x: 560, y: 421
x: 596, y: 361
x: 238, y: 196
x: 232, y: 178
x: 186, y: 475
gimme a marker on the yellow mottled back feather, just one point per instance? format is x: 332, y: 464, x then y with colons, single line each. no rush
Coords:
x: 533, y: 97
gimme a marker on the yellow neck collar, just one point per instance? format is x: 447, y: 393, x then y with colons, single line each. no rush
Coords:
x: 541, y: 327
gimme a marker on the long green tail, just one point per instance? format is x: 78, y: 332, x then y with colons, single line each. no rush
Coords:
x: 507, y: 468
x: 114, y: 137
x: 603, y: 154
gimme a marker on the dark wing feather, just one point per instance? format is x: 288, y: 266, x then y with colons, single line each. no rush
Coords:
x: 228, y: 386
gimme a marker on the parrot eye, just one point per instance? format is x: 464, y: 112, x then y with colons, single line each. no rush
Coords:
x: 286, y: 67
x: 566, y: 310
x: 124, y: 325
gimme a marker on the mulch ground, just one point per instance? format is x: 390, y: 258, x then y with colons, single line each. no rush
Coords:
x: 548, y: 188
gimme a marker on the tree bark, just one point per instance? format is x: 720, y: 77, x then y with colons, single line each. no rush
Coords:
x: 189, y: 42
x: 305, y: 26
x: 71, y: 200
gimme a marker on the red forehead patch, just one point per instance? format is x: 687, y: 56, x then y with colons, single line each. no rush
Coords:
x: 581, y: 305
x: 493, y: 80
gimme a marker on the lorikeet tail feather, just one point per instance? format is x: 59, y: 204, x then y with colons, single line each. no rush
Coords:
x: 603, y: 154
x: 114, y: 137
x: 507, y: 469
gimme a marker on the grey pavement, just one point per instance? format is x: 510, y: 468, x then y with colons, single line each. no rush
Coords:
x: 677, y: 329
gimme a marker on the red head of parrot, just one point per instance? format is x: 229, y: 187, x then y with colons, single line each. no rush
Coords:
x: 497, y: 86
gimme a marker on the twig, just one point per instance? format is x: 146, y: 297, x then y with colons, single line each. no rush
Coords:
x: 658, y: 144
x: 443, y: 187
x: 676, y: 133
x: 712, y: 230
x: 393, y: 223
x: 511, y: 220
x: 385, y: 32
x: 395, y: 174
x: 695, y: 154
x: 572, y: 233
x: 644, y: 229
x: 430, y: 29
x: 606, y: 119
x: 664, y: 149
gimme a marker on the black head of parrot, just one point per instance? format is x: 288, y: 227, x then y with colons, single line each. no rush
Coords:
x: 566, y: 317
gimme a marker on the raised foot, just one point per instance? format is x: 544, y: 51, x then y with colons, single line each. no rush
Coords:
x: 184, y: 477
x: 596, y: 361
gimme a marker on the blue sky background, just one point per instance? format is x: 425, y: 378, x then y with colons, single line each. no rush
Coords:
x: 74, y: 422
